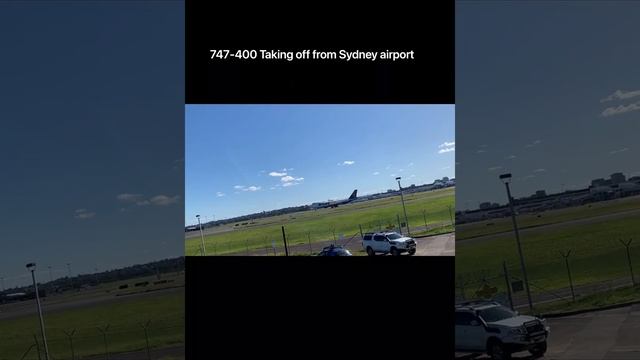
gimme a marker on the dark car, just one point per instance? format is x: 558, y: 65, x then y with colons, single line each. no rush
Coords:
x: 334, y: 250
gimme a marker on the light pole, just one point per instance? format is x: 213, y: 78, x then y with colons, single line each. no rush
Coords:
x: 202, y: 248
x: 506, y: 178
x: 406, y: 220
x: 32, y: 267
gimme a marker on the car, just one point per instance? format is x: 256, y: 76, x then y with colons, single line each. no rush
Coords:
x: 491, y: 328
x: 388, y: 243
x: 334, y: 250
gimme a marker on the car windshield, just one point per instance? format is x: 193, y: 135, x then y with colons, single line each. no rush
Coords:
x: 393, y: 236
x: 496, y: 313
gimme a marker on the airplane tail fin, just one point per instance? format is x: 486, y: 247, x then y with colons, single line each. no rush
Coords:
x: 354, y: 194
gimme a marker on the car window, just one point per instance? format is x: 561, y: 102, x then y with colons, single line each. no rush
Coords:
x: 496, y: 313
x: 464, y: 318
x: 379, y: 238
x: 393, y: 236
x: 367, y: 237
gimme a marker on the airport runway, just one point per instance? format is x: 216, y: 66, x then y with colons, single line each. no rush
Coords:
x: 547, y: 227
x: 601, y: 335
x: 54, y: 303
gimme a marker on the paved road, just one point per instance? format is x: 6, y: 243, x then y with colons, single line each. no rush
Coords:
x: 547, y: 227
x: 602, y: 335
x: 53, y: 304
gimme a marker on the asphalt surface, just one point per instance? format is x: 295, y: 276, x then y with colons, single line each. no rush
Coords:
x: 547, y: 227
x: 51, y: 304
x: 175, y: 352
x: 601, y: 335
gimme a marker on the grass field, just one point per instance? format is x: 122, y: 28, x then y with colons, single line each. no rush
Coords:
x: 596, y: 256
x: 617, y: 296
x: 125, y: 333
x: 324, y: 224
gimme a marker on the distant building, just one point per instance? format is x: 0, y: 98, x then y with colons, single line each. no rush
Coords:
x: 618, y: 178
x: 540, y: 193
x: 598, y: 182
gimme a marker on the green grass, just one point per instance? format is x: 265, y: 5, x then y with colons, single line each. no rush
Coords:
x: 166, y: 312
x: 596, y: 255
x: 495, y: 226
x: 595, y: 301
x: 321, y: 224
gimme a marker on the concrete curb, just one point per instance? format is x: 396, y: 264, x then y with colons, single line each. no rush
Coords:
x: 584, y: 311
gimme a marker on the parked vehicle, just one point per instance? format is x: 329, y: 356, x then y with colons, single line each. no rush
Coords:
x: 388, y: 243
x: 491, y: 328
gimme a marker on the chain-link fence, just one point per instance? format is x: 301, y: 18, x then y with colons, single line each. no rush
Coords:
x: 102, y: 341
x: 506, y: 284
x: 302, y: 240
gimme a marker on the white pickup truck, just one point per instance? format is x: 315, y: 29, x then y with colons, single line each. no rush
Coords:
x: 494, y: 329
x: 388, y: 243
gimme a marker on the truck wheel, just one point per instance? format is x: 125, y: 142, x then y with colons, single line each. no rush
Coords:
x: 370, y: 251
x: 412, y: 252
x: 498, y: 352
x: 395, y: 252
x: 539, y: 349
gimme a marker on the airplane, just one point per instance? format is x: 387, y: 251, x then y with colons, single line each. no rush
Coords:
x: 336, y: 203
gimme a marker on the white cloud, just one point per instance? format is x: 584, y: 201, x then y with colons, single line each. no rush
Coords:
x: 400, y: 170
x: 252, y: 188
x: 446, y: 167
x: 290, y: 179
x: 346, y: 163
x: 84, y: 214
x: 510, y: 157
x: 163, y: 200
x: 539, y: 170
x: 618, y: 151
x: 621, y: 109
x: 287, y: 184
x: 410, y: 164
x: 129, y: 197
x: 376, y: 173
x: 239, y: 187
x: 494, y: 168
x: 412, y: 176
x: 446, y: 150
x: 481, y: 151
x: 275, y: 173
x: 621, y: 95
x: 534, y: 143
x: 394, y: 175
x: 220, y: 194
x: 447, y: 144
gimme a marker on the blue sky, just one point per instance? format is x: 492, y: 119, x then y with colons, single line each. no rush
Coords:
x: 90, y: 112
x: 547, y: 91
x: 249, y: 158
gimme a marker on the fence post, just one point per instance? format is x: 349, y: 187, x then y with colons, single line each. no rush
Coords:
x: 566, y: 262
x: 247, y: 244
x: 361, y: 235
x: 399, y: 225
x: 508, y: 283
x: 104, y: 331
x: 284, y: 239
x: 146, y: 326
x: 70, y: 336
x: 627, y: 245
x: 424, y: 216
x: 35, y: 338
x: 309, y: 237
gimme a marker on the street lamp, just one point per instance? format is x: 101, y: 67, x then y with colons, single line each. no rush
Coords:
x: 406, y: 219
x: 32, y: 267
x: 506, y: 178
x: 203, y: 250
